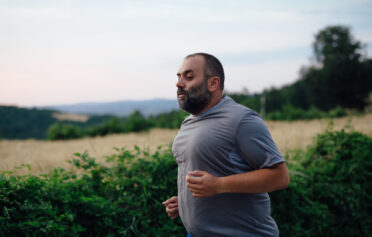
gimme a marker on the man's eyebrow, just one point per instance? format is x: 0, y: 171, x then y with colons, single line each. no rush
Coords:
x: 184, y: 73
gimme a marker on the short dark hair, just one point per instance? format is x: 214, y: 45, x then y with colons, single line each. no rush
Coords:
x: 212, y: 67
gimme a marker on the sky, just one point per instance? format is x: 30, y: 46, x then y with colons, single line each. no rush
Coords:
x: 74, y: 51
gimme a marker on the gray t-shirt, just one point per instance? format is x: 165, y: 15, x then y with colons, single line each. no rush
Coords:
x: 225, y: 140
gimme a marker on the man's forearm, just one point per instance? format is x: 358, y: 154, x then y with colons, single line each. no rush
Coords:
x: 203, y: 184
x: 257, y: 181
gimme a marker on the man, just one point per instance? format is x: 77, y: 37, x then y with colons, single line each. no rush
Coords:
x: 227, y: 160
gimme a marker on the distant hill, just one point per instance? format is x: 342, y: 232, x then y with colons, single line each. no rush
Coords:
x: 22, y: 123
x: 118, y: 108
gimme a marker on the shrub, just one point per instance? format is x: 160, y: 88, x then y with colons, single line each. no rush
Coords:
x: 289, y: 113
x: 59, y: 131
x: 114, y: 125
x: 122, y: 197
x: 337, y: 112
x: 136, y: 123
x: 329, y: 194
x: 172, y: 119
x: 330, y: 191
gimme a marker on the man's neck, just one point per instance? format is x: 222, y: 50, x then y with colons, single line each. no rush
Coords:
x: 213, y: 102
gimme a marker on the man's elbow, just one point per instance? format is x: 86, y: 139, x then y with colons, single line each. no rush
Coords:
x: 283, y: 178
x: 286, y: 180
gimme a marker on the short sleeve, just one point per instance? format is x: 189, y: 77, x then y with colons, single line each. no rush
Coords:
x: 255, y: 143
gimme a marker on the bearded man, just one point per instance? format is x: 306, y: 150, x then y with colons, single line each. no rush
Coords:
x: 227, y: 160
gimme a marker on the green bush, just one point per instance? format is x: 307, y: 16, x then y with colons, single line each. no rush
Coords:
x: 122, y: 197
x: 136, y: 122
x: 330, y: 190
x: 290, y: 113
x: 329, y: 194
x: 23, y: 123
x: 172, y: 119
x: 114, y: 125
x: 59, y: 131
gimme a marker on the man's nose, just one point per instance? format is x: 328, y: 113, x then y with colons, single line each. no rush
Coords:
x: 180, y: 83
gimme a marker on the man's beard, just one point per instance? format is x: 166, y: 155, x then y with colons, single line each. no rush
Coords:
x: 196, y: 98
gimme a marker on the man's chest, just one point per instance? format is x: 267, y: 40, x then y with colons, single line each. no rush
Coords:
x: 204, y: 143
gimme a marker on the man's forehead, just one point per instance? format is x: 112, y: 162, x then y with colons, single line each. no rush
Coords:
x: 192, y: 64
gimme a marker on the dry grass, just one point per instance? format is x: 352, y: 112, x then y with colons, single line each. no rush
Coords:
x: 300, y: 134
x: 44, y: 155
x: 71, y: 117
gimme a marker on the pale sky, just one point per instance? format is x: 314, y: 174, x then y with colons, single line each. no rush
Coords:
x: 66, y: 51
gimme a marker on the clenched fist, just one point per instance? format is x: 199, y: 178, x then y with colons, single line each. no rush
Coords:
x: 202, y: 184
x: 171, y: 207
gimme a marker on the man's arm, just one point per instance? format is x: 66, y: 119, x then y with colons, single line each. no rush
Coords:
x: 203, y: 184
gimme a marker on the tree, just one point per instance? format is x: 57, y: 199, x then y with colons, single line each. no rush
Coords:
x: 136, y: 122
x: 59, y: 131
x: 335, y: 44
x: 340, y: 77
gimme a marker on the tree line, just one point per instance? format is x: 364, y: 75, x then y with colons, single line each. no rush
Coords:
x: 136, y: 122
x: 23, y: 123
x: 338, y: 79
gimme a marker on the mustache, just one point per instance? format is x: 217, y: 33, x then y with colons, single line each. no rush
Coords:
x: 180, y: 90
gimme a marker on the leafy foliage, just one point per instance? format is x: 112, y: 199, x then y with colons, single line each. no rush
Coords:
x: 59, y: 131
x: 341, y: 77
x: 290, y: 113
x: 24, y: 123
x: 120, y: 198
x: 135, y: 122
x: 279, y: 108
x: 172, y: 119
x: 330, y: 191
x: 329, y: 194
x: 114, y: 125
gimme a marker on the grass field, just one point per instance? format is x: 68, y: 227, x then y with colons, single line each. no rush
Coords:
x: 44, y: 155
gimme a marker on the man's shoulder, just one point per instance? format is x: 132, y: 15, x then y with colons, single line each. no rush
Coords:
x: 237, y: 108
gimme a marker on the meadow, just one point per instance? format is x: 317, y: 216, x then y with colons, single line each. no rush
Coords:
x: 46, y: 155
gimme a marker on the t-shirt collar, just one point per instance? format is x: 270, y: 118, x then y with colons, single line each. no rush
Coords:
x: 214, y: 107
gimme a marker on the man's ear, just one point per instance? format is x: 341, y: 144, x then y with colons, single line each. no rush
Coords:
x: 213, y: 83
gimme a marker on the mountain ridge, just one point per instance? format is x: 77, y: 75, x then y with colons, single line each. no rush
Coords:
x: 118, y: 108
